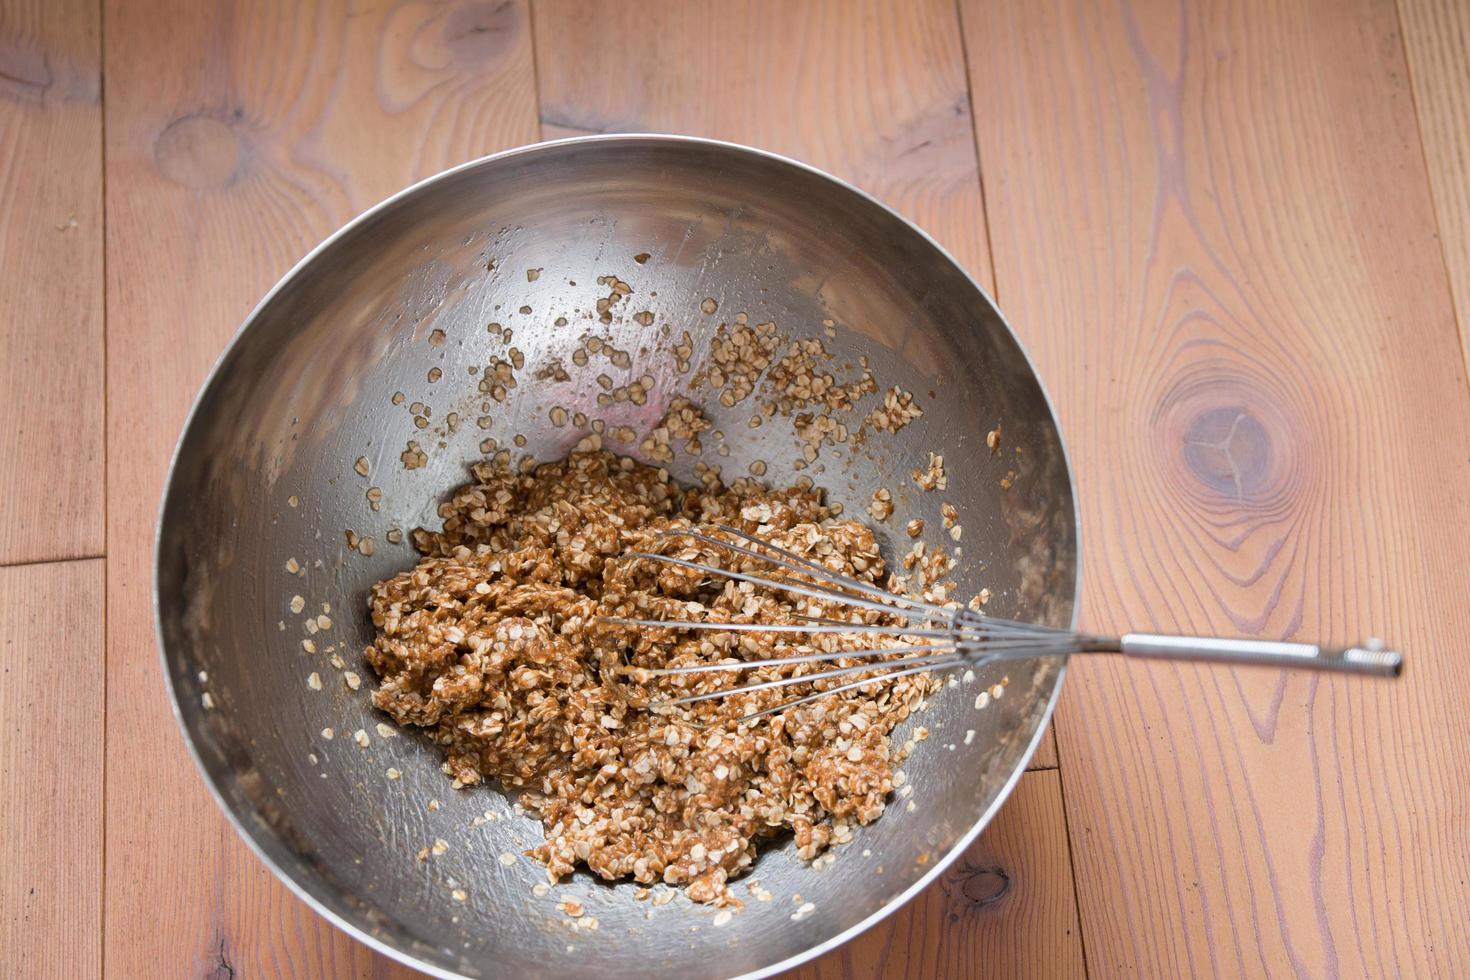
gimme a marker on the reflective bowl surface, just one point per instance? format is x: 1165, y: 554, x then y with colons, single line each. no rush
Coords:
x: 266, y: 476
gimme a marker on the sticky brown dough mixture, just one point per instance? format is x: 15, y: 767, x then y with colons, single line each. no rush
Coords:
x: 495, y: 643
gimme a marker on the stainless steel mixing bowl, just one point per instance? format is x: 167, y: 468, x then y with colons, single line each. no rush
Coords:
x: 266, y: 473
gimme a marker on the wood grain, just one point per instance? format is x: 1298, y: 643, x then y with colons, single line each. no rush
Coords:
x: 51, y: 770
x: 50, y: 280
x: 237, y: 138
x: 872, y: 92
x: 1437, y: 44
x: 1004, y: 909
x: 1212, y: 228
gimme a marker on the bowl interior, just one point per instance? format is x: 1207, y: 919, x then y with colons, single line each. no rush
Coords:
x: 326, y: 374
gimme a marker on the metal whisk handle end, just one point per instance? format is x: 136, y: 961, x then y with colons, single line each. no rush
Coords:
x: 1370, y: 658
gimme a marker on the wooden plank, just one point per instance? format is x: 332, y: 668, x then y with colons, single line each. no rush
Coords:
x: 51, y: 770
x: 237, y: 138
x: 873, y: 92
x: 1437, y: 43
x: 1004, y: 909
x: 1212, y: 228
x: 50, y: 280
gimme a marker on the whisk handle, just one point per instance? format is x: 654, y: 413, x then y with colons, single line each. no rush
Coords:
x: 1370, y: 658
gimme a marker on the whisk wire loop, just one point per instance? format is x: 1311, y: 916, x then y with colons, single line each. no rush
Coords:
x: 941, y: 637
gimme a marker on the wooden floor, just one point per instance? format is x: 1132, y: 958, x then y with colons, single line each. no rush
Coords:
x: 1234, y: 234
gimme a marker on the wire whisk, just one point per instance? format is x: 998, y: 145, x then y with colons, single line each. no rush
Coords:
x: 934, y: 637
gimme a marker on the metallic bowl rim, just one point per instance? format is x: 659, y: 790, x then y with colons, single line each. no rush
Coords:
x: 354, y: 929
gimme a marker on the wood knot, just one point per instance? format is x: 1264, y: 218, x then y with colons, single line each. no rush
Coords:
x: 222, y: 968
x: 986, y: 886
x: 1228, y: 438
x: 480, y: 32
x: 973, y: 887
x: 200, y: 151
x: 25, y: 73
x: 1228, y: 450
